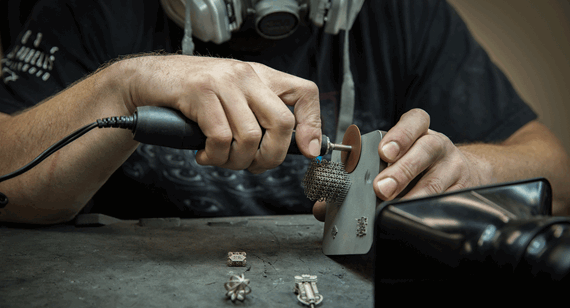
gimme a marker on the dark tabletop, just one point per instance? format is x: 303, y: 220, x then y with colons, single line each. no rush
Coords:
x: 175, y: 263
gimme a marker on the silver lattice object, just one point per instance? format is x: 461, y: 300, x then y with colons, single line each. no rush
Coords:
x: 237, y: 287
x: 236, y: 259
x: 326, y: 181
x: 306, y: 290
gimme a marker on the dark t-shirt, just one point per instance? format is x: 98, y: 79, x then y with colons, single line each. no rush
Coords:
x: 403, y: 54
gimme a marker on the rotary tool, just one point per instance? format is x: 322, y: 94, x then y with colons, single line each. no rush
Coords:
x: 158, y: 126
x: 170, y: 128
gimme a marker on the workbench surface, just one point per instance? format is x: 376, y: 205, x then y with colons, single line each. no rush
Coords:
x: 126, y: 264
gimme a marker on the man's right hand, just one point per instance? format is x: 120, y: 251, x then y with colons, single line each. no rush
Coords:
x: 231, y: 101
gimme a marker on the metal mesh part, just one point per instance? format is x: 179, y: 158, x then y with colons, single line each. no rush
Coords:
x: 326, y: 181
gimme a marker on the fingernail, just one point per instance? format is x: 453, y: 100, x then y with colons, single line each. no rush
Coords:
x: 391, y: 150
x: 315, y: 147
x: 387, y: 186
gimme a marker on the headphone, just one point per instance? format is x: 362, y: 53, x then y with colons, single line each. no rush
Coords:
x: 215, y: 20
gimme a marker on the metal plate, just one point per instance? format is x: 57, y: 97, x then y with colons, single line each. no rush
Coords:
x: 345, y: 232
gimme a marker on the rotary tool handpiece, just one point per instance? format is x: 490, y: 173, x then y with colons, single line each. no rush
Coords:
x: 152, y: 125
x: 170, y: 128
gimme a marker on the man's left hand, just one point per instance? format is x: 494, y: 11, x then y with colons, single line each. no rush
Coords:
x: 410, y: 148
x: 413, y: 150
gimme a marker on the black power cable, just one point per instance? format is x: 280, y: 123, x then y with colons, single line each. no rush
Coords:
x: 120, y: 122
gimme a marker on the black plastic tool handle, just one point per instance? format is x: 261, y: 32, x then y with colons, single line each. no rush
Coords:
x: 170, y: 128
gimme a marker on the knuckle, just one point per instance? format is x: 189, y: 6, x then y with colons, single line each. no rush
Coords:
x: 222, y: 137
x: 407, y: 137
x: 315, y: 121
x: 203, y: 82
x: 285, y: 120
x: 254, y: 134
x: 434, y: 186
x: 242, y: 69
x: 256, y: 65
x: 408, y: 170
x: 310, y: 87
x: 310, y: 122
x: 251, y: 136
x: 309, y: 92
x: 419, y: 114
x: 460, y: 185
x: 433, y: 145
x: 457, y: 162
x: 437, y: 145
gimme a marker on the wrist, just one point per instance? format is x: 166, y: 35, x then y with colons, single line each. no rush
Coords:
x: 120, y: 78
x: 482, y: 171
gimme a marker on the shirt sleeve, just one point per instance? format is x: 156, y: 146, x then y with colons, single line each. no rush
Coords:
x: 448, y: 74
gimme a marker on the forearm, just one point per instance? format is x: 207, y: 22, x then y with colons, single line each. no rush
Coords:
x: 531, y: 152
x: 57, y: 189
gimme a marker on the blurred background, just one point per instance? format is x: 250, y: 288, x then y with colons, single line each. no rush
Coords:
x: 528, y: 39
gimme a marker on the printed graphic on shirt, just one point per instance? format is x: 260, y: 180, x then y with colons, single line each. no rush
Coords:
x: 214, y: 191
x: 29, y: 58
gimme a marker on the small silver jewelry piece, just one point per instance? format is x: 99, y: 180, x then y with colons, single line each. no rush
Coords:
x: 237, y: 287
x: 361, y: 226
x: 334, y: 231
x: 236, y: 259
x: 306, y: 288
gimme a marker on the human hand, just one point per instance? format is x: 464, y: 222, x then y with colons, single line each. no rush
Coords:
x: 413, y: 150
x: 410, y: 148
x: 231, y: 101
